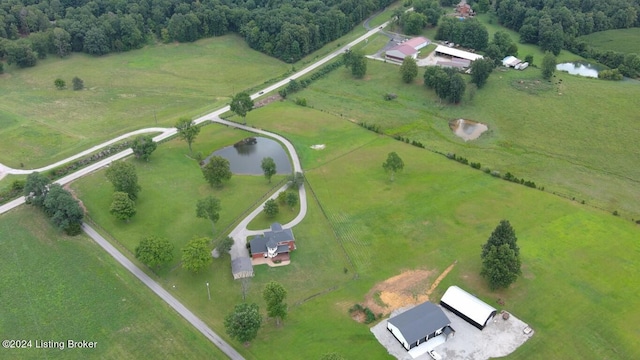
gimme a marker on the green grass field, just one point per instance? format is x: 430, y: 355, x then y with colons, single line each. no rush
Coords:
x: 57, y: 288
x: 621, y: 40
x: 123, y: 92
x: 573, y: 136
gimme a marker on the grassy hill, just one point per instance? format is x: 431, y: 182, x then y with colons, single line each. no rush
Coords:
x: 621, y: 40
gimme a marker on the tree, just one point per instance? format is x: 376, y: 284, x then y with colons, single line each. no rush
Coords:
x: 457, y: 87
x: 409, y: 69
x: 96, y: 42
x: 60, y: 84
x: 393, y: 164
x: 143, y: 146
x: 154, y: 251
x: 502, y: 234
x: 217, y: 170
x: 244, y: 322
x: 21, y: 53
x: 124, y: 178
x: 480, y: 71
x: 78, y: 84
x: 274, y: 295
x: 296, y: 180
x: 548, y: 65
x: 241, y: 104
x: 196, y: 255
x: 413, y: 22
x: 209, y: 208
x: 64, y: 211
x: 501, y: 266
x: 501, y: 257
x: 291, y: 199
x: 225, y: 245
x: 36, y: 188
x: 61, y: 42
x: 271, y: 208
x: 529, y: 59
x: 356, y: 61
x: 268, y: 167
x: 122, y: 207
x: 187, y: 131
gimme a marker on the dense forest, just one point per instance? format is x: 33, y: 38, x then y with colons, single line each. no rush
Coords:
x: 285, y: 29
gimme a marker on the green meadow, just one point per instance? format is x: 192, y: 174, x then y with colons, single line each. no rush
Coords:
x: 58, y: 288
x: 621, y: 40
x: 143, y: 88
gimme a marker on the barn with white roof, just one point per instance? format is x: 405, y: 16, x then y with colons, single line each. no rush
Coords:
x: 470, y: 308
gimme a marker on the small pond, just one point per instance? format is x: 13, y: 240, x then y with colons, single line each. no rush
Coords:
x: 247, y: 159
x: 579, y: 68
x: 467, y: 129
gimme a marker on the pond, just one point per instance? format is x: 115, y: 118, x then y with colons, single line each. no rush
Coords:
x: 579, y: 68
x: 247, y: 159
x: 467, y: 129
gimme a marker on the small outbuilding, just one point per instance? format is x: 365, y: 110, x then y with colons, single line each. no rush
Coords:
x: 511, y: 61
x: 241, y: 268
x: 419, y: 324
x: 470, y: 308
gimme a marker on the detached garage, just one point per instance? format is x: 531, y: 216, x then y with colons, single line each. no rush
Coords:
x: 473, y: 310
x: 419, y: 324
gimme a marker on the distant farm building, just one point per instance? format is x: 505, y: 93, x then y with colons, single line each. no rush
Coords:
x: 408, y: 48
x: 456, y: 54
x: 464, y: 10
x: 241, y: 268
x: 274, y: 245
x: 470, y: 308
x: 419, y: 324
x: 514, y: 62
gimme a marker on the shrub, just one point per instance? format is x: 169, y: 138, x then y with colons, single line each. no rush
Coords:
x: 495, y: 173
x: 390, y: 96
x: 475, y: 165
x: 60, y: 84
x: 78, y: 84
x: 615, y: 213
x: 301, y: 101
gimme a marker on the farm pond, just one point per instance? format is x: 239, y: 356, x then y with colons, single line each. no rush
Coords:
x: 245, y: 157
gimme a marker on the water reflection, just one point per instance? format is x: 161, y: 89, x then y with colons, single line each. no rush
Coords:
x: 247, y: 159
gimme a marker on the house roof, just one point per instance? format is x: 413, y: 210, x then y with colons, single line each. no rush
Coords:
x: 457, y: 53
x: 511, y: 61
x: 240, y: 265
x: 467, y: 304
x: 416, y: 42
x: 420, y: 321
x: 271, y: 237
x: 405, y: 49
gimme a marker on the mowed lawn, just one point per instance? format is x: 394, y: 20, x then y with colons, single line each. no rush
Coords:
x: 59, y: 288
x: 621, y: 40
x: 172, y: 183
x: 579, y: 268
x: 574, y: 135
x: 153, y: 86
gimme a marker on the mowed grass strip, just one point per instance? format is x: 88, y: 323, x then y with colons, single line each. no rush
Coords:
x: 621, y: 40
x: 63, y: 288
x: 172, y: 183
x: 153, y: 86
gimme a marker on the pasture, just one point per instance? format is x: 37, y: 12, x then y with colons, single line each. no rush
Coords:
x: 621, y: 40
x: 153, y: 86
x: 57, y: 288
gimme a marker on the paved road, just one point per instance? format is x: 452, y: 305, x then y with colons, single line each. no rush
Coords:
x: 163, y: 294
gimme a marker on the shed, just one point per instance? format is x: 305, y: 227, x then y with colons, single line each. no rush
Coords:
x: 511, y: 61
x: 241, y: 268
x: 419, y: 324
x: 470, y: 308
x: 457, y: 53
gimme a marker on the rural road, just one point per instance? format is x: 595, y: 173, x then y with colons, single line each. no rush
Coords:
x: 239, y: 234
x: 164, y: 294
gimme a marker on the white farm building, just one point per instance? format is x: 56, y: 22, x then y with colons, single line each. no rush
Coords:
x: 470, y: 308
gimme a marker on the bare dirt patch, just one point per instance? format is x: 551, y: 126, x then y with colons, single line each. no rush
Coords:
x: 411, y: 287
x: 266, y: 101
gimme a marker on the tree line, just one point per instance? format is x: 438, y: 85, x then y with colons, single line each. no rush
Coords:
x: 282, y: 29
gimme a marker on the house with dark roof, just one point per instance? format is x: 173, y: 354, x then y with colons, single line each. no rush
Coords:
x: 274, y: 245
x: 419, y: 324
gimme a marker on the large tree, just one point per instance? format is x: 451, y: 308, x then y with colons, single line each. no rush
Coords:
x: 501, y: 257
x: 241, y: 104
x: 188, y: 131
x: 271, y: 208
x: 217, y: 170
x: 65, y: 211
x: 244, y: 322
x: 356, y: 61
x: 393, y: 164
x: 480, y: 71
x: 291, y: 199
x: 409, y: 69
x: 225, y: 245
x: 274, y: 295
x: 143, y: 146
x: 548, y: 65
x: 154, y: 251
x: 268, y: 167
x: 196, y: 255
x: 209, y: 208
x: 36, y: 188
x: 122, y: 207
x: 124, y: 178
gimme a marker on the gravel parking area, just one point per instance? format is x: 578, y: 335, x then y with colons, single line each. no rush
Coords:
x: 499, y: 338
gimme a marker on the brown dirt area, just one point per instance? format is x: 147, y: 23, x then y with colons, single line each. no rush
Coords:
x: 409, y: 288
x: 266, y: 101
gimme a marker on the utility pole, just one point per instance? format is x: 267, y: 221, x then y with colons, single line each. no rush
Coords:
x: 208, y: 292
